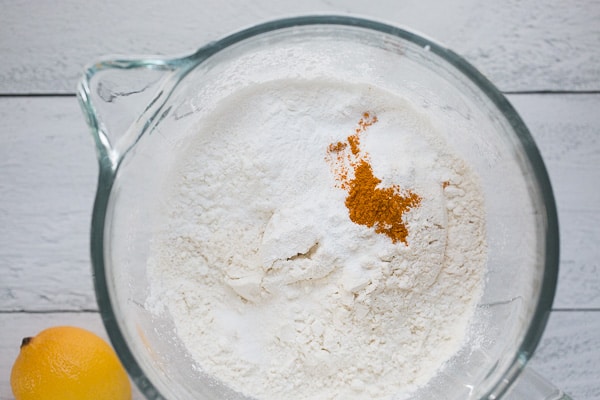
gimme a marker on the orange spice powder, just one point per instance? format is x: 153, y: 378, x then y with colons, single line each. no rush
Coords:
x: 367, y: 203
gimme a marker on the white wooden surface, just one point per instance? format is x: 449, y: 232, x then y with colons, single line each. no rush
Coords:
x: 520, y: 45
x: 47, y: 160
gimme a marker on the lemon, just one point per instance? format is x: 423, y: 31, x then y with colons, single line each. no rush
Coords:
x: 68, y: 363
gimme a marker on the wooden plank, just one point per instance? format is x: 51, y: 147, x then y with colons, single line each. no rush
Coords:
x: 47, y: 183
x: 533, y: 45
x: 49, y: 174
x: 27, y: 324
x: 567, y: 131
x: 567, y: 355
x: 569, y: 351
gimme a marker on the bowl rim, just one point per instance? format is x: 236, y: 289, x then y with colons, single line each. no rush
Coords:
x: 108, y: 170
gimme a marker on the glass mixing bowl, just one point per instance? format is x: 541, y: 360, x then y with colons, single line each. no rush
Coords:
x: 141, y: 112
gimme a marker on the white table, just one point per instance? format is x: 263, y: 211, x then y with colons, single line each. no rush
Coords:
x: 545, y: 55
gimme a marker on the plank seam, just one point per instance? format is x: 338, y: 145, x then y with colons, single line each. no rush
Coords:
x: 550, y: 92
x: 20, y: 95
x: 51, y: 311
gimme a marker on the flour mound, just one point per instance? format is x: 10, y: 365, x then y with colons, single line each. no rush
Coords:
x: 274, y: 290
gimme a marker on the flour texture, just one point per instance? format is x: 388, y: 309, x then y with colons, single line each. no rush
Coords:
x: 274, y: 290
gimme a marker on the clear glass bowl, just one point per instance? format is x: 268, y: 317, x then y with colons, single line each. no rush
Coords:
x: 140, y: 112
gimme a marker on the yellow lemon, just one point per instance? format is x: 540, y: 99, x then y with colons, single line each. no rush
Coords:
x: 68, y: 363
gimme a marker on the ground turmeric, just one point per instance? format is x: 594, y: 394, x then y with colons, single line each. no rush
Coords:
x: 368, y: 204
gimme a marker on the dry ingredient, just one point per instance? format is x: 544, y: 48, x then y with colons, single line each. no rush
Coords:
x: 275, y: 260
x: 367, y: 203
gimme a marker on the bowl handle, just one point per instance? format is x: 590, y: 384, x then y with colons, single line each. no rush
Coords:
x: 121, y: 99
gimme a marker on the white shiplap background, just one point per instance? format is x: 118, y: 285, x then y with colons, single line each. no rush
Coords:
x: 544, y: 54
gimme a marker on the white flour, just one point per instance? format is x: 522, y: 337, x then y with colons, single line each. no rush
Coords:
x: 274, y: 290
